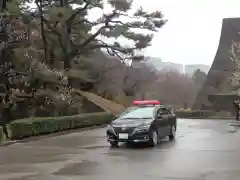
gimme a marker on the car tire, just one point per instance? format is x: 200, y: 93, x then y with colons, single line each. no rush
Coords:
x: 153, y: 140
x: 113, y: 144
x: 172, y: 133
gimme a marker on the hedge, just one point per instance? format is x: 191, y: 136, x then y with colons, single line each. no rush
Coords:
x: 36, y: 126
x: 2, y: 136
x: 187, y: 113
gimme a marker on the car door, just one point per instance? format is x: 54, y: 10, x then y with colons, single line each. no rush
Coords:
x: 162, y: 122
x: 172, y: 119
x: 169, y: 120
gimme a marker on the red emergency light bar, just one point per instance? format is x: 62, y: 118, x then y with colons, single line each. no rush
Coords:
x: 147, y: 102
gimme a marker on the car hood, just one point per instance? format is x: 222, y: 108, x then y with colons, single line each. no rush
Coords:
x: 130, y: 122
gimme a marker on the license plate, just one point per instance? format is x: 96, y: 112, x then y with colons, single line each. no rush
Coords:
x: 123, y: 136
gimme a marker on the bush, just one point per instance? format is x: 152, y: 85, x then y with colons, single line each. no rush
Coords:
x: 184, y: 110
x: 2, y: 136
x: 188, y: 113
x: 35, y: 126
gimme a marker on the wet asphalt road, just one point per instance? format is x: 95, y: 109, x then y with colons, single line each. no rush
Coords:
x: 203, y: 150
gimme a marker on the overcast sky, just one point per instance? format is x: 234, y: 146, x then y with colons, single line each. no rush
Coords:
x: 192, y: 32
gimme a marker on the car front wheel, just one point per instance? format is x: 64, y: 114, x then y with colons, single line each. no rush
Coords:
x: 113, y: 144
x: 153, y: 141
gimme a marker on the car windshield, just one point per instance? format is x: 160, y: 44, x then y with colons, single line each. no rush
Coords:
x: 139, y: 113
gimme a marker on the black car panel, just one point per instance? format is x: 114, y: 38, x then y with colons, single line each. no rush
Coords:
x: 162, y: 120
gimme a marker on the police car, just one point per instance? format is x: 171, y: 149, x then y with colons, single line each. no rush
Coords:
x: 145, y: 121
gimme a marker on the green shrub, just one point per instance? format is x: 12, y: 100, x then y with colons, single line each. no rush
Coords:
x: 185, y: 110
x: 188, y: 113
x: 35, y: 126
x: 2, y: 136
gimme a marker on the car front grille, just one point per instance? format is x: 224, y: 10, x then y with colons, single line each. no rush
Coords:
x: 128, y: 130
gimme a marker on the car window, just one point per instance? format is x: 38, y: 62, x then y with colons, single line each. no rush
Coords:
x: 159, y: 111
x: 139, y: 113
x: 164, y: 111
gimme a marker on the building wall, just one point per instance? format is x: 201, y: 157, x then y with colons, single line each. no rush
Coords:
x: 158, y: 64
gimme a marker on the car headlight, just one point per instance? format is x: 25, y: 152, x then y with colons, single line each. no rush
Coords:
x: 109, y: 127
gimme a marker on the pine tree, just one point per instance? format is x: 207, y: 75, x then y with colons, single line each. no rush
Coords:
x: 35, y: 42
x: 72, y: 28
x: 68, y: 37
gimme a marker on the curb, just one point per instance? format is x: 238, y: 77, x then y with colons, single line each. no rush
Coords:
x: 55, y: 134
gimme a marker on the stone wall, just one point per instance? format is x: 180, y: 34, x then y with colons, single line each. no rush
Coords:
x: 217, y: 80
